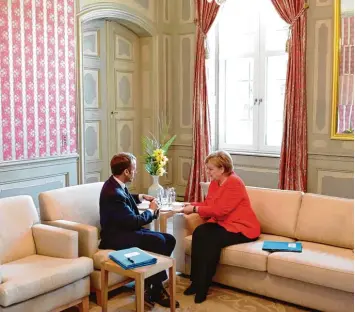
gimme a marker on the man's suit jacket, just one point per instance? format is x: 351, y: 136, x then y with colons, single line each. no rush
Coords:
x: 119, y: 216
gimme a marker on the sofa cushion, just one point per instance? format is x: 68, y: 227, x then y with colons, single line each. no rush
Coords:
x: 35, y: 275
x: 17, y: 215
x: 317, y: 264
x: 326, y: 220
x: 79, y: 203
x: 276, y: 210
x: 248, y: 255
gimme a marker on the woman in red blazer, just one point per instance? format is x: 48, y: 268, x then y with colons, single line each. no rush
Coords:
x: 230, y: 220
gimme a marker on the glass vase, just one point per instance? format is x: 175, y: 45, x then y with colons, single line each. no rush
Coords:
x: 155, y: 188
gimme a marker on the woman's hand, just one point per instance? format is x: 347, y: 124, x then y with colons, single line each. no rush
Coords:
x: 187, y: 209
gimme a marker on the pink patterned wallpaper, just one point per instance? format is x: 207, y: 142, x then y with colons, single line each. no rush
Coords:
x: 37, y: 79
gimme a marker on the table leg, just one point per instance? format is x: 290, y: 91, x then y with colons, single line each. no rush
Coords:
x: 139, y: 294
x: 104, y: 288
x: 163, y: 224
x: 156, y: 225
x: 172, y: 286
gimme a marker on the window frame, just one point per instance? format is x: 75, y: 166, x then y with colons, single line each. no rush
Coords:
x: 258, y: 146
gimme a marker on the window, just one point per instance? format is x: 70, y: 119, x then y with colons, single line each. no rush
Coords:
x: 246, y: 76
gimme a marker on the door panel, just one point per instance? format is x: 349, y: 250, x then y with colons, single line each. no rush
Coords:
x: 124, y: 103
x: 94, y: 98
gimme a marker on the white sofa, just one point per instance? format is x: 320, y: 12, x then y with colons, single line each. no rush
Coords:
x: 77, y: 208
x: 39, y: 266
x: 321, y: 277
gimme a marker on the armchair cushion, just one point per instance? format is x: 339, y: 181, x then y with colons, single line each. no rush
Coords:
x: 88, y: 235
x: 55, y: 242
x: 101, y: 256
x: 35, y: 275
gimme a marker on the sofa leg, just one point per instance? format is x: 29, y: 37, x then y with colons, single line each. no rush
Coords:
x: 84, y: 305
x: 98, y: 298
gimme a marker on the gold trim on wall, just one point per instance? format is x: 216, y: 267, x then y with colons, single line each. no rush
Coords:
x: 336, y: 52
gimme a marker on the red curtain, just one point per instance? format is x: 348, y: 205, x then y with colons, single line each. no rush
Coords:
x: 293, y: 160
x: 201, y: 144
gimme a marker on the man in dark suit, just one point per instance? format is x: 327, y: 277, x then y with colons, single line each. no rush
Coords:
x: 122, y: 224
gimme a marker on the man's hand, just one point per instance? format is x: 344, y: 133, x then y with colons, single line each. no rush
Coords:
x: 187, y: 209
x: 153, y: 205
x: 148, y: 197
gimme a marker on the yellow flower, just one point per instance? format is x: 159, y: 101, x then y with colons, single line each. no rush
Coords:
x: 160, y: 171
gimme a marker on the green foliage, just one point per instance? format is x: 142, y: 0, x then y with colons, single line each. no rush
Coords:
x: 154, y: 151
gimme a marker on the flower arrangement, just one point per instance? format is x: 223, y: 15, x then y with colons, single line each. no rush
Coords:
x: 155, y: 151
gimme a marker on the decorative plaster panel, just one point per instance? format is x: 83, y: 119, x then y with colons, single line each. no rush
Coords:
x: 124, y: 135
x: 93, y: 177
x: 124, y: 90
x: 347, y: 145
x: 335, y: 183
x: 184, y: 165
x: 91, y: 88
x: 186, y: 11
x: 37, y: 83
x: 324, y: 2
x: 319, y: 144
x: 166, y: 11
x: 91, y: 45
x: 146, y: 99
x: 322, y: 77
x: 167, y: 68
x: 92, y: 140
x: 186, y: 79
x: 123, y: 48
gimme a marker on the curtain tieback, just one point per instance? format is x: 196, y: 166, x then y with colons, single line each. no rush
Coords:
x: 204, y: 35
x: 300, y: 13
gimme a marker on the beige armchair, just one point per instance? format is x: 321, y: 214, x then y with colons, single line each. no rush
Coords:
x: 39, y: 266
x: 77, y: 208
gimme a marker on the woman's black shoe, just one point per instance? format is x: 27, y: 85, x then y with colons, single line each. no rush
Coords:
x: 200, y: 297
x: 191, y: 290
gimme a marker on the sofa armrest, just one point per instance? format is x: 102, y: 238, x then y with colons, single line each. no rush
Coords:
x: 0, y: 275
x: 183, y: 225
x: 55, y: 242
x: 88, y: 235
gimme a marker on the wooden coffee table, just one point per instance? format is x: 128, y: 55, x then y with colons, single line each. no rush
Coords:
x: 139, y: 275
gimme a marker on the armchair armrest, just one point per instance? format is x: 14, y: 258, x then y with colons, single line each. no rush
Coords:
x: 0, y: 275
x: 183, y: 225
x: 88, y: 236
x: 55, y: 242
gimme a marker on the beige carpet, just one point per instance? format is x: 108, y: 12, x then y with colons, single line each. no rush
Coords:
x: 220, y: 299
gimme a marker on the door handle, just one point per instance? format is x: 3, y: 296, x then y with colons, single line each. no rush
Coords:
x: 260, y: 101
x: 114, y: 112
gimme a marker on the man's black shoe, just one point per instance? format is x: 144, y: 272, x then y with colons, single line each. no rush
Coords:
x: 161, y: 296
x: 191, y: 290
x: 148, y: 299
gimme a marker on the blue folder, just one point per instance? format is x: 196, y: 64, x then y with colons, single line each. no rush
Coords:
x: 282, y: 246
x: 132, y: 258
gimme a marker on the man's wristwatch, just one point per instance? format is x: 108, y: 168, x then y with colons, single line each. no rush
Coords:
x: 194, y: 209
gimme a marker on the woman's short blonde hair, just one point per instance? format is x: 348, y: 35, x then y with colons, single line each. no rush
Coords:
x: 221, y: 159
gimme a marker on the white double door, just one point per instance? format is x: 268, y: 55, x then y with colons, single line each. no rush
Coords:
x: 112, y: 99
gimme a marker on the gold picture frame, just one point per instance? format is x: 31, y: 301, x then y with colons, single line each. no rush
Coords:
x: 348, y: 134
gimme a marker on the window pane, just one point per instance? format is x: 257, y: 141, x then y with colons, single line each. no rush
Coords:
x: 239, y: 95
x: 237, y: 28
x: 276, y: 67
x: 276, y: 29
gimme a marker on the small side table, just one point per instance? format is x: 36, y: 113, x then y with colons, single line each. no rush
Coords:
x: 139, y: 275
